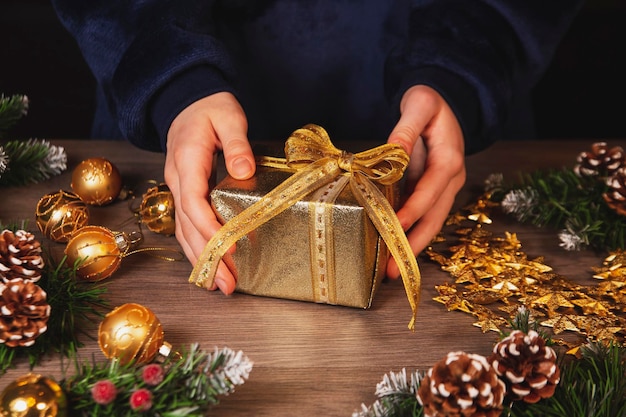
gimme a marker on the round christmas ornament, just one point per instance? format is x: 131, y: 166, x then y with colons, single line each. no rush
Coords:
x: 131, y: 332
x: 157, y: 210
x: 100, y: 250
x: 33, y: 395
x: 60, y: 214
x: 97, y: 181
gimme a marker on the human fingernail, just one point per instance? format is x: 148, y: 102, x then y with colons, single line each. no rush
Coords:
x: 241, y: 168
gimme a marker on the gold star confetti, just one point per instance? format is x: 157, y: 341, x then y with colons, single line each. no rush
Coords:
x: 562, y: 323
x: 552, y: 301
x: 494, y: 277
x: 591, y: 306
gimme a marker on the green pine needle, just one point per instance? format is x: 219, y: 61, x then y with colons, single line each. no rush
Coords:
x: 593, y: 386
x: 12, y: 109
x: 563, y: 200
x: 73, y: 305
x: 192, y: 382
x: 28, y: 162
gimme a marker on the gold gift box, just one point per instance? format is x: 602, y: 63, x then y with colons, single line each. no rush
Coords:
x: 323, y: 249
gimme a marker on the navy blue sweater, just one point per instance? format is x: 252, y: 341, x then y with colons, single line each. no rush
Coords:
x: 342, y: 64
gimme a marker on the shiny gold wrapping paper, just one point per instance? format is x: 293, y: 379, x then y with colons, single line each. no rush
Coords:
x: 323, y: 249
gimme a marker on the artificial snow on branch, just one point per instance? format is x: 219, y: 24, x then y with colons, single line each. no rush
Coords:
x: 29, y: 161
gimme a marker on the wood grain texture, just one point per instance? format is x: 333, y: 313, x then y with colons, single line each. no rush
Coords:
x: 309, y: 359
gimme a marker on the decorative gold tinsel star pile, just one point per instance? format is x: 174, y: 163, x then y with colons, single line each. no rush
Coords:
x: 493, y: 278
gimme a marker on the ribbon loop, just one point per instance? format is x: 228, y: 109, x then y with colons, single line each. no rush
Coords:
x: 384, y: 164
x: 315, y: 162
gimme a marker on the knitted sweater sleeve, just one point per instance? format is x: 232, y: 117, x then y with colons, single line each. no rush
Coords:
x: 126, y: 44
x: 479, y: 55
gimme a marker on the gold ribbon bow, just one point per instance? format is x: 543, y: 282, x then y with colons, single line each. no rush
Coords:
x: 316, y: 162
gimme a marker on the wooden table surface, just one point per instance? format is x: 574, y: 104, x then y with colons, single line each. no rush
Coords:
x: 309, y: 359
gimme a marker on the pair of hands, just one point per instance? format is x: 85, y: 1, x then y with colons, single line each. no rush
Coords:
x: 427, y: 130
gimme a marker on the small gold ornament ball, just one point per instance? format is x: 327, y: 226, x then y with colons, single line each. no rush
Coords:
x: 33, y: 396
x: 99, y: 250
x: 97, y: 181
x: 131, y: 332
x: 157, y: 210
x: 60, y: 214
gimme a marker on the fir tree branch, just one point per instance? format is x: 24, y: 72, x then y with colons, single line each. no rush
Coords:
x: 192, y: 382
x: 593, y: 386
x: 564, y: 201
x: 73, y: 305
x: 30, y: 161
x: 12, y: 109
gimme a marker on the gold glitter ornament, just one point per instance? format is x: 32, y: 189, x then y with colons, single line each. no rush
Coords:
x: 100, y: 250
x: 157, y: 210
x: 97, y: 181
x: 60, y: 214
x: 131, y: 332
x: 33, y: 395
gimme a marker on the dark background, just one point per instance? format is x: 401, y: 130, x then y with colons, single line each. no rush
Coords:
x: 582, y: 95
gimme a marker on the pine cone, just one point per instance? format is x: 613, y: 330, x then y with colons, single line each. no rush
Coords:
x: 527, y: 366
x: 461, y: 384
x: 24, y: 312
x: 600, y: 161
x: 615, y: 197
x: 20, y: 256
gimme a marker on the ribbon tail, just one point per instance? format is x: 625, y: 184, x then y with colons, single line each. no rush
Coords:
x: 279, y: 199
x: 384, y: 219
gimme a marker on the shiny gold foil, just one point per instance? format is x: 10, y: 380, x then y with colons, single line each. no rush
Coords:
x: 319, y: 167
x: 322, y: 249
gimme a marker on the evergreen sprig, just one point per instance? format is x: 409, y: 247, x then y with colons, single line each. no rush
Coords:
x: 73, y: 306
x: 12, y: 109
x: 191, y: 383
x: 30, y: 161
x: 562, y: 200
x: 593, y: 385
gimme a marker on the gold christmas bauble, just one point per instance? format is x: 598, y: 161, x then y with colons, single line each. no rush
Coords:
x: 157, y: 210
x: 33, y: 396
x: 60, y: 214
x: 97, y: 181
x: 131, y: 332
x: 99, y: 249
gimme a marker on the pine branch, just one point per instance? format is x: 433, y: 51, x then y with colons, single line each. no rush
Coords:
x: 562, y: 200
x: 192, y: 382
x: 593, y: 386
x: 12, y: 109
x: 73, y: 305
x: 31, y: 161
x: 396, y: 397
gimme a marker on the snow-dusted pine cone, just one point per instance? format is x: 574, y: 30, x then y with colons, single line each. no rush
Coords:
x: 615, y: 197
x: 599, y: 161
x: 461, y: 384
x: 20, y: 256
x: 527, y: 366
x: 24, y: 312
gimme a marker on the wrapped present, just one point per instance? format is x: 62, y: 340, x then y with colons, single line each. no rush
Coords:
x: 315, y: 226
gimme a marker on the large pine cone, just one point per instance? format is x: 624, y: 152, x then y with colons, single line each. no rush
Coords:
x: 599, y: 161
x: 461, y: 384
x: 615, y: 197
x: 527, y: 366
x: 20, y: 256
x: 24, y: 312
